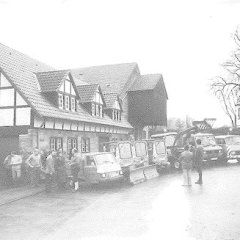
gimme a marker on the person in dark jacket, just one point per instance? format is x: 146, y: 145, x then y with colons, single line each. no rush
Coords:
x: 186, y: 158
x: 75, y: 167
x: 60, y: 168
x: 199, y: 160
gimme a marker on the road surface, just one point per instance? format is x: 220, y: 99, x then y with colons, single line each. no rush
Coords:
x: 160, y: 208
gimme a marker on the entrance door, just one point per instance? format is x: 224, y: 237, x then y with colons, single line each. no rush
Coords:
x: 7, y: 145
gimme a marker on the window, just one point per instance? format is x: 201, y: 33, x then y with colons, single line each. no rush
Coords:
x: 67, y: 97
x: 55, y: 143
x: 60, y: 101
x: 116, y: 115
x: 85, y: 145
x: 97, y: 110
x: 93, y: 109
x: 71, y: 144
x: 73, y: 105
x: 67, y: 102
x: 101, y: 111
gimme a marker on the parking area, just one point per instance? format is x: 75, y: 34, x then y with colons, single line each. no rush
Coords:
x: 158, y: 208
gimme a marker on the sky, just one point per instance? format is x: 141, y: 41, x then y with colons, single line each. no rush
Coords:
x: 186, y: 41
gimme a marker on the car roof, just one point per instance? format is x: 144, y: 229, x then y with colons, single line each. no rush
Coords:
x: 203, y: 134
x: 225, y: 136
x: 163, y: 134
x: 96, y: 153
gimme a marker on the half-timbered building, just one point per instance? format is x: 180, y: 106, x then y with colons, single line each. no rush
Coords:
x: 78, y: 108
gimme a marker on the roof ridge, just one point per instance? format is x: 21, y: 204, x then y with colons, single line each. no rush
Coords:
x: 106, y: 65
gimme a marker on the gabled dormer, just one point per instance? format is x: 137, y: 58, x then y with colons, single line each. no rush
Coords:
x: 60, y: 89
x: 91, y: 98
x: 113, y: 106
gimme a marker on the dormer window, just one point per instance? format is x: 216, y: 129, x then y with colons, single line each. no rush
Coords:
x: 116, y: 112
x: 67, y: 96
x: 97, y: 105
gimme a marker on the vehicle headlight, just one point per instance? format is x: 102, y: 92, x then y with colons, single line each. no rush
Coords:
x: 232, y: 153
x: 204, y: 152
x: 120, y: 172
x: 103, y: 175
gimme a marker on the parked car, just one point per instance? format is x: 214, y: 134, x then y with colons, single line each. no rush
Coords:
x: 230, y: 145
x: 99, y: 167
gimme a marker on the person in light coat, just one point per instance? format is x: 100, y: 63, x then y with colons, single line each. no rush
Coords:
x: 186, y: 159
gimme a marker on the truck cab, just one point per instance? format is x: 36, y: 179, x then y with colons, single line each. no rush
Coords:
x: 212, y: 151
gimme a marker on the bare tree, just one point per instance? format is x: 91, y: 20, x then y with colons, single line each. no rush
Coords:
x: 226, y: 89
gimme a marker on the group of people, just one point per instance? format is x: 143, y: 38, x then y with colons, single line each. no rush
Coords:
x: 190, y: 158
x: 51, y: 165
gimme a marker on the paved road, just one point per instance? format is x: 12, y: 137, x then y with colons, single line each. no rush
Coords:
x: 157, y: 209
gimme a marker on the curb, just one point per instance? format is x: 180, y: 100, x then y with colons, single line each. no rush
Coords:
x: 21, y: 197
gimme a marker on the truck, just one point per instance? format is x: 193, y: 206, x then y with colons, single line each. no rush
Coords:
x: 200, y: 130
x: 133, y: 159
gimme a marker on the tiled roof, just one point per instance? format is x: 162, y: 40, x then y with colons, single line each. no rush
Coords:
x: 110, y: 99
x: 147, y: 82
x: 111, y: 78
x: 50, y: 81
x: 20, y: 69
x: 86, y: 92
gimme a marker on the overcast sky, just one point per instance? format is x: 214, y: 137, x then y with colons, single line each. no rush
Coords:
x: 184, y: 40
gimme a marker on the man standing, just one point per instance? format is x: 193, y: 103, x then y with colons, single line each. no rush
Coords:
x: 50, y: 171
x: 186, y: 159
x: 34, y: 163
x: 199, y: 160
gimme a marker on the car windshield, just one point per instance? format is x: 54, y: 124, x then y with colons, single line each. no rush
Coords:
x: 125, y: 150
x: 141, y: 149
x: 102, y: 159
x: 169, y: 140
x: 160, y: 147
x: 207, y: 140
x: 234, y: 140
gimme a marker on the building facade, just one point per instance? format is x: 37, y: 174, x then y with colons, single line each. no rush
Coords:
x: 78, y: 108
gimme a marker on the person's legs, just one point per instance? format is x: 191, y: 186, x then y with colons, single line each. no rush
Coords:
x: 185, y: 180
x: 48, y: 183
x: 75, y: 179
x: 199, y: 169
x: 189, y: 177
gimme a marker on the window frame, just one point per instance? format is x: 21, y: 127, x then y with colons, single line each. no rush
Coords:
x: 60, y: 100
x: 71, y: 144
x: 85, y: 145
x: 54, y: 143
